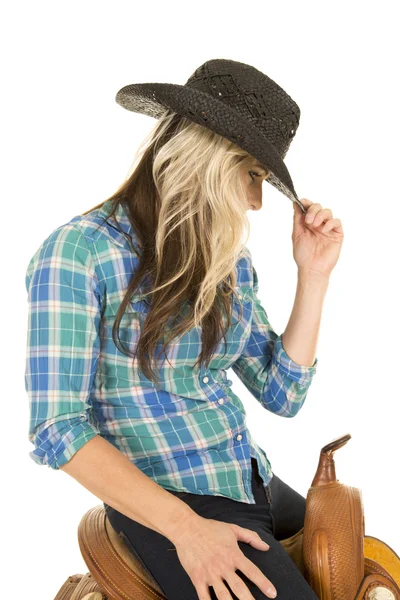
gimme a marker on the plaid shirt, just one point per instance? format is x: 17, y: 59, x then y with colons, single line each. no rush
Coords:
x: 189, y: 432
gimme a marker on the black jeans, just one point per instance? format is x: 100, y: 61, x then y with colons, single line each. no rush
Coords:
x: 277, y: 515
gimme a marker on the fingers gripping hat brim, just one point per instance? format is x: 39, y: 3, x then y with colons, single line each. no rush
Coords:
x: 153, y: 99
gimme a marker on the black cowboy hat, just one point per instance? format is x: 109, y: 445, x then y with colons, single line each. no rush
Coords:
x: 235, y: 100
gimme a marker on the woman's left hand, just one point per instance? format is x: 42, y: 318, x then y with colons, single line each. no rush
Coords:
x: 316, y: 245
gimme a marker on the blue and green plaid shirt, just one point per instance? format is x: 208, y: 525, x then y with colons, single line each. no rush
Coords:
x: 189, y: 432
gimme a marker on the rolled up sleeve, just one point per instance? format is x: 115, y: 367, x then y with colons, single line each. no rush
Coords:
x: 63, y: 344
x: 279, y: 383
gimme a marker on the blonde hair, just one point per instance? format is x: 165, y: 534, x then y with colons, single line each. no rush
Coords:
x: 187, y: 205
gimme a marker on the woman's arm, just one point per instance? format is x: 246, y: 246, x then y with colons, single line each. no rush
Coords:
x: 301, y: 334
x: 111, y: 476
x: 63, y: 347
x: 272, y: 376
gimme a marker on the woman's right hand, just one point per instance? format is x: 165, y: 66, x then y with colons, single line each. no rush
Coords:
x: 209, y: 552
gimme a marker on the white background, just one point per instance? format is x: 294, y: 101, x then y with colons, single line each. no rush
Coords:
x: 67, y: 145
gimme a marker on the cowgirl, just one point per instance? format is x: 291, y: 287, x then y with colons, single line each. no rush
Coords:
x: 137, y: 309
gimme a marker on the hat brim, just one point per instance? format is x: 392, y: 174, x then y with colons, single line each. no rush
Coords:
x: 153, y: 99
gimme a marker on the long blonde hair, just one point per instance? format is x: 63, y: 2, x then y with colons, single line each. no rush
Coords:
x: 185, y: 200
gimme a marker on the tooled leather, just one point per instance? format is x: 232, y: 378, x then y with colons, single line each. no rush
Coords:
x: 372, y: 582
x: 332, y: 540
x: 335, y: 512
x: 333, y: 543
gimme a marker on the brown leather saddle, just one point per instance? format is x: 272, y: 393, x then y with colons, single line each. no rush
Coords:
x: 332, y: 551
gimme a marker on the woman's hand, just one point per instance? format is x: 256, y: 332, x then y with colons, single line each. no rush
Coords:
x: 316, y: 245
x: 210, y: 554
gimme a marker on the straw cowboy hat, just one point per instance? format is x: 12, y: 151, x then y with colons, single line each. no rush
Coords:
x: 235, y: 100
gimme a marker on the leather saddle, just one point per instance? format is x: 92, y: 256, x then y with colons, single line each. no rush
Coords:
x: 332, y: 551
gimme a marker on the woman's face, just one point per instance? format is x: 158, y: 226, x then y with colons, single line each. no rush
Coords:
x: 253, y: 175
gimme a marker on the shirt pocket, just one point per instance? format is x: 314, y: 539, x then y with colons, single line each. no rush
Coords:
x: 139, y: 304
x: 120, y: 370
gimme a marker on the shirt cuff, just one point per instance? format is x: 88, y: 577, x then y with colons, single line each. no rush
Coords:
x: 302, y: 374
x: 57, y: 444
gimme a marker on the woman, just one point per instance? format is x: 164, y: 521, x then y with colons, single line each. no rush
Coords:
x: 139, y: 306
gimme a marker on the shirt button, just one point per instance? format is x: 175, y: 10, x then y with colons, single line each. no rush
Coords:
x: 205, y: 379
x: 240, y: 297
x: 221, y: 401
x: 239, y: 437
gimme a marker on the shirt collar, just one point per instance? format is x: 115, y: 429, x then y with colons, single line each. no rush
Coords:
x: 120, y: 215
x: 117, y: 222
x: 124, y: 223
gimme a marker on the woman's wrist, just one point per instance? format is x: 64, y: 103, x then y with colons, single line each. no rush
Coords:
x: 187, y: 521
x: 305, y: 277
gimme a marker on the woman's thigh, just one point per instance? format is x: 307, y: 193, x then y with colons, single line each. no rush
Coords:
x: 158, y: 555
x: 287, y: 507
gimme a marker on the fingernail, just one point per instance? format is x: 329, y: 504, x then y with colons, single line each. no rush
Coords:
x: 272, y: 593
x: 309, y: 218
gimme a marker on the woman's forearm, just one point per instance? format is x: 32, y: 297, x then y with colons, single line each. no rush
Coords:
x: 301, y: 334
x: 111, y: 476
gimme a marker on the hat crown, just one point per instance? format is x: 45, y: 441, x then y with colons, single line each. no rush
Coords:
x: 254, y: 95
